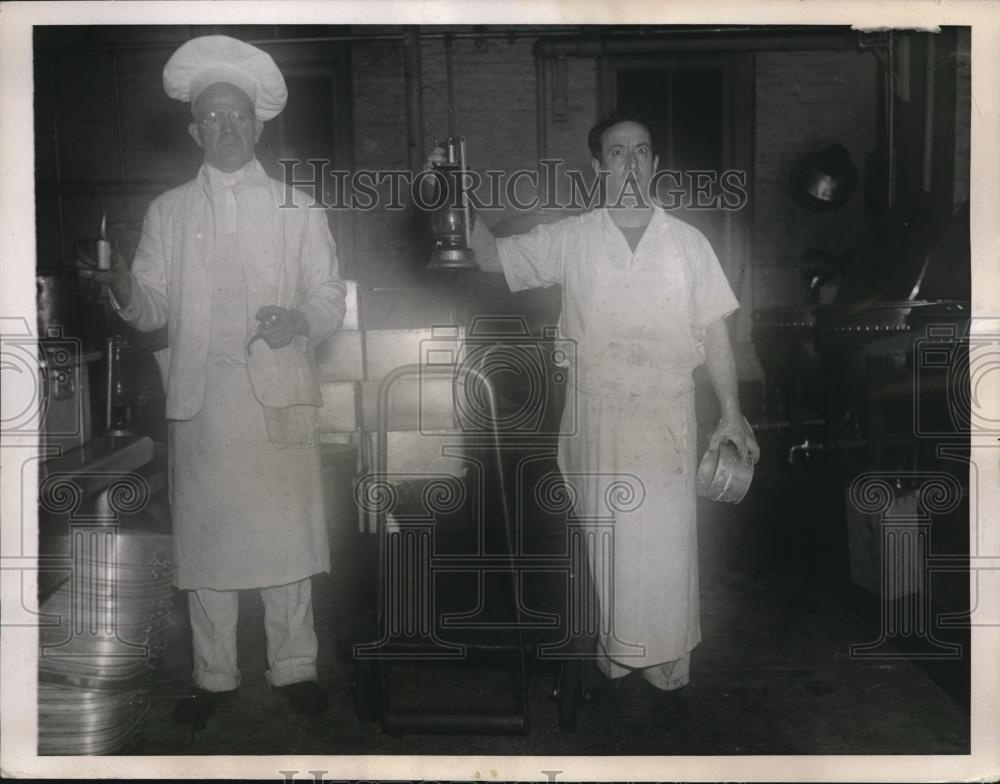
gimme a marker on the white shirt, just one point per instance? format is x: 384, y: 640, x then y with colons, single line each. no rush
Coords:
x: 653, y: 305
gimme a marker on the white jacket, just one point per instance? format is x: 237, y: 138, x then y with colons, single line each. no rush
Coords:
x: 290, y: 261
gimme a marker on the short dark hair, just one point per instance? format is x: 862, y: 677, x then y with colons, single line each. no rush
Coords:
x: 617, y: 117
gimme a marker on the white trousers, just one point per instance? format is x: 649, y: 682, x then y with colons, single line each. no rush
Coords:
x: 667, y: 676
x: 288, y: 623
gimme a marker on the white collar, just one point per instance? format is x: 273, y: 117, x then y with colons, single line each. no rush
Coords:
x: 220, y: 179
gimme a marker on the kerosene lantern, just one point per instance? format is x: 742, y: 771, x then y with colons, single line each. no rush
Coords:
x: 451, y: 218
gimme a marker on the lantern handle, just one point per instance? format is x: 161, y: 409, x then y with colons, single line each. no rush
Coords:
x: 451, y: 110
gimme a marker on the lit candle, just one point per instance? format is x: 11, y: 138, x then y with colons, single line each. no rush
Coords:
x: 103, y: 248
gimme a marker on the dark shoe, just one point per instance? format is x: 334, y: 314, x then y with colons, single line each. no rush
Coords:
x: 199, y: 706
x: 604, y: 692
x: 305, y: 697
x: 670, y: 705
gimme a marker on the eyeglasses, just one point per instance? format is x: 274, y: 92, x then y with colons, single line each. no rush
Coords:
x: 213, y: 120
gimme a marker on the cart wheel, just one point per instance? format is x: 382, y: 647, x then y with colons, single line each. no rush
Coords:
x: 366, y: 690
x: 570, y: 688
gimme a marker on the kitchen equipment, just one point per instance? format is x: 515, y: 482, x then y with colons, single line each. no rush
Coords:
x: 827, y: 177
x: 64, y: 379
x: 120, y: 400
x: 908, y: 276
x: 57, y: 299
x: 95, y: 664
x: 723, y: 475
x: 105, y: 585
x: 443, y: 192
x: 453, y: 539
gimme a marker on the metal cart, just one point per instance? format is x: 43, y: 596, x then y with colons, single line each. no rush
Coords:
x: 418, y: 620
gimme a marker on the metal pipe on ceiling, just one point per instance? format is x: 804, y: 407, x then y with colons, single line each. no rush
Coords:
x: 578, y: 43
x: 697, y: 40
x: 505, y: 34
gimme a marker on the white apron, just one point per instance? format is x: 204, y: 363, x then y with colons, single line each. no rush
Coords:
x: 631, y: 460
x: 245, y: 514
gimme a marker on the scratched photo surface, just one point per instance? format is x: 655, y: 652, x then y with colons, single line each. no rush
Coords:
x: 500, y: 397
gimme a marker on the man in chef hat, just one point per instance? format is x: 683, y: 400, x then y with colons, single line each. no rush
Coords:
x: 247, y: 285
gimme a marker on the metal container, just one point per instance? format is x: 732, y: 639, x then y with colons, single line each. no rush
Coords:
x: 723, y: 475
x: 107, y: 633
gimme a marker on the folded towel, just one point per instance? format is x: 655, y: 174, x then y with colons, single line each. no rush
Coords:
x: 293, y: 426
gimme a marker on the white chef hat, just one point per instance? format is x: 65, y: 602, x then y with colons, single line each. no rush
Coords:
x: 210, y: 59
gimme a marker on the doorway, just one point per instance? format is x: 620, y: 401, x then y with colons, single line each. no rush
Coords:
x: 701, y: 107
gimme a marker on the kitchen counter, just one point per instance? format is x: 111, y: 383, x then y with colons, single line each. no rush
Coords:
x: 75, y: 488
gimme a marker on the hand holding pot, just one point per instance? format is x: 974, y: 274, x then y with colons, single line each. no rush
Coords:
x: 736, y: 429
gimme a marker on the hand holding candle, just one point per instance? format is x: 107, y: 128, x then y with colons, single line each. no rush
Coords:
x: 107, y: 269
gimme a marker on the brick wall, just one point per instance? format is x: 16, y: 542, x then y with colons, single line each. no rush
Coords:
x: 494, y: 95
x: 77, y: 134
x: 494, y: 109
x: 382, y: 239
x: 806, y: 101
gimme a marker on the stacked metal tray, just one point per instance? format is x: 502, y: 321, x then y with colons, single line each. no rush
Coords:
x: 106, y: 634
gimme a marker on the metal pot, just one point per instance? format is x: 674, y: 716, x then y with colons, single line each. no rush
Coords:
x: 827, y: 177
x: 723, y: 475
